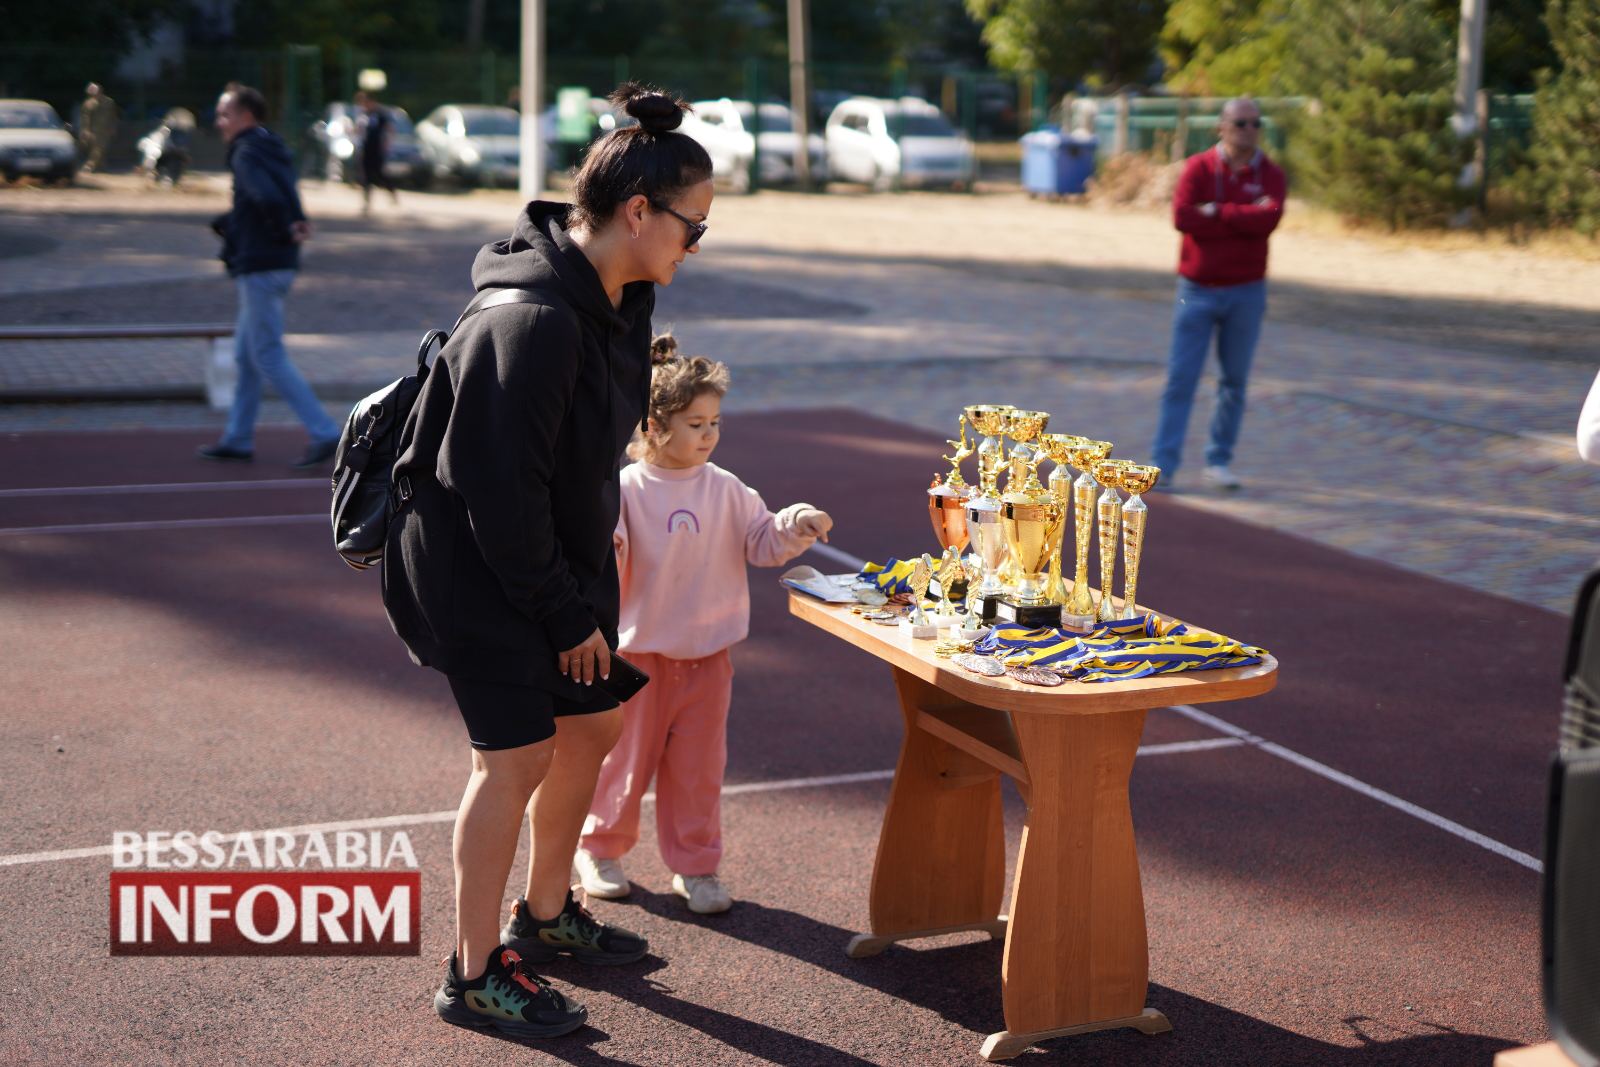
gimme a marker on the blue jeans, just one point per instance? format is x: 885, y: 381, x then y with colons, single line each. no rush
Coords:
x: 1233, y: 313
x: 258, y: 349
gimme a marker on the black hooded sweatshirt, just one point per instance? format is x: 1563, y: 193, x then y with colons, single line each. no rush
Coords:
x: 504, y: 556
x: 256, y: 233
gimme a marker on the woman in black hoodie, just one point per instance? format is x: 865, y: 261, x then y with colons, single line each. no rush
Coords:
x: 500, y: 570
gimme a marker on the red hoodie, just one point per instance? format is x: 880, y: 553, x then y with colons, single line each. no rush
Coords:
x: 1230, y: 247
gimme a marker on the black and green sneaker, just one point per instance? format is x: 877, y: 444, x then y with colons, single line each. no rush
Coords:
x: 508, y: 997
x: 574, y: 932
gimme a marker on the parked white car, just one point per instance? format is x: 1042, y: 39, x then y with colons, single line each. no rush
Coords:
x: 905, y: 142
x: 777, y: 140
x: 34, y: 141
x: 472, y: 143
x: 730, y: 148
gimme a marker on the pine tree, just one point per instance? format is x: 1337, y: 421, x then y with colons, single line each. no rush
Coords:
x: 1376, y: 142
x: 1564, y: 181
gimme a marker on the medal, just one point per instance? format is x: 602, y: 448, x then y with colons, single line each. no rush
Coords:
x: 1036, y: 676
x: 987, y: 666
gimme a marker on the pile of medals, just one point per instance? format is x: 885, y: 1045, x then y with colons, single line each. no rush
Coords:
x: 888, y: 610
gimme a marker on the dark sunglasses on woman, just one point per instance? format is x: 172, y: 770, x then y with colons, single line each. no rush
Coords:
x: 1240, y: 123
x: 697, y: 230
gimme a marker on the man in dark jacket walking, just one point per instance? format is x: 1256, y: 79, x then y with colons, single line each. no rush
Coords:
x: 1226, y: 205
x: 261, y: 240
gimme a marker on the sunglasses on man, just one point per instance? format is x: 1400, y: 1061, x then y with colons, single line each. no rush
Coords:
x: 697, y: 230
x: 1242, y: 123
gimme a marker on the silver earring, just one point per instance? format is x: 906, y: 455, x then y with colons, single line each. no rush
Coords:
x: 635, y: 235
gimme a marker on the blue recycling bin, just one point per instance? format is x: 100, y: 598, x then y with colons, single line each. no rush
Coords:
x: 1054, y: 164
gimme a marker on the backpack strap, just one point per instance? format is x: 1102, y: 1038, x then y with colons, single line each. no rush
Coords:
x: 491, y: 298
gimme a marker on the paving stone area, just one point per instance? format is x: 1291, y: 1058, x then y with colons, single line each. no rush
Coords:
x: 1453, y: 459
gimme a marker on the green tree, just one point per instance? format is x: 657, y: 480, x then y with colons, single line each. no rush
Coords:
x: 1107, y: 43
x: 1563, y: 182
x: 110, y: 24
x: 1223, y: 47
x: 1376, y: 142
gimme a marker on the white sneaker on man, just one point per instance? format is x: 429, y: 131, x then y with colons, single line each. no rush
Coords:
x: 1219, y: 476
x: 703, y: 892
x: 601, y: 878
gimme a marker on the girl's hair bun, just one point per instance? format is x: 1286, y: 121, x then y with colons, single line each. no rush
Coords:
x: 656, y: 111
x: 663, y: 349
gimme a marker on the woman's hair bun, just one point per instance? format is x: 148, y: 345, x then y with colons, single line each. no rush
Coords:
x: 663, y: 349
x: 656, y: 111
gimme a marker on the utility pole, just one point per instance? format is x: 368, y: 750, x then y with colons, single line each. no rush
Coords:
x: 1469, y: 77
x: 530, y: 171
x: 800, y: 88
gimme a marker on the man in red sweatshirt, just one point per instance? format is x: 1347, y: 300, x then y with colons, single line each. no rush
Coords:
x: 1227, y: 203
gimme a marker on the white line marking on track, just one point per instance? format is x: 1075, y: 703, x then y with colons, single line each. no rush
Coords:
x: 1324, y: 771
x: 164, y: 524
x: 165, y: 487
x: 429, y: 817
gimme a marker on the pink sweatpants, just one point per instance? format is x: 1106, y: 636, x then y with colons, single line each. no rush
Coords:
x: 676, y: 729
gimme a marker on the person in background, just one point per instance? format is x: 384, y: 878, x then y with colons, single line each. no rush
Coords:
x: 374, y: 127
x: 97, y: 126
x: 261, y: 238
x: 1226, y: 205
x: 687, y: 530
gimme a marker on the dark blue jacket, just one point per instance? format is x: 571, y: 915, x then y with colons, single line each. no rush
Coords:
x: 255, y: 234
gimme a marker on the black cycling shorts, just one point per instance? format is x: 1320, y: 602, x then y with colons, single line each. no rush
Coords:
x: 503, y: 715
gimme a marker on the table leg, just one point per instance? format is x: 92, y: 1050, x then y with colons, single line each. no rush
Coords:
x: 941, y: 856
x: 1076, y: 957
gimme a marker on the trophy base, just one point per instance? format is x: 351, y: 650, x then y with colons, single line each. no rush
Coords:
x: 958, y: 590
x: 1046, y: 616
x: 1080, y: 624
x: 984, y: 606
x: 925, y: 631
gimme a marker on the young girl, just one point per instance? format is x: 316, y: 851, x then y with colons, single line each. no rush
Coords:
x: 687, y: 529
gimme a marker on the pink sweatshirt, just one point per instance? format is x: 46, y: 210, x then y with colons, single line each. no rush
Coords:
x: 683, y: 539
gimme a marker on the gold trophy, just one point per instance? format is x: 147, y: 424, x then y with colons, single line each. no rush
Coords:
x: 983, y: 509
x: 1083, y: 454
x: 917, y: 624
x: 1108, y: 473
x: 989, y: 420
x: 1024, y: 427
x: 1056, y: 445
x: 1032, y: 520
x: 950, y: 577
x: 1135, y: 479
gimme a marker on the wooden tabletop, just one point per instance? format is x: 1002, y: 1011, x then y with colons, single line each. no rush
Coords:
x: 893, y: 645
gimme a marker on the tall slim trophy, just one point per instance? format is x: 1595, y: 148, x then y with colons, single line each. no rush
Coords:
x: 983, y: 509
x: 1135, y: 479
x: 947, y: 509
x: 1055, y: 445
x: 1032, y: 519
x: 1079, y: 613
x: 1108, y: 473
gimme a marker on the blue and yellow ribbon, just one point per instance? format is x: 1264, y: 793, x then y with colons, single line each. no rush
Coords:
x: 1119, y: 651
x: 890, y: 578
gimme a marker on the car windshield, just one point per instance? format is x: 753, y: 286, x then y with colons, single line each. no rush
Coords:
x: 923, y: 126
x: 776, y: 120
x: 28, y: 118
x: 490, y: 124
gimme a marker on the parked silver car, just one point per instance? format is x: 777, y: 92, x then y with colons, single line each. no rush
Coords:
x: 34, y: 141
x: 728, y: 123
x: 475, y: 144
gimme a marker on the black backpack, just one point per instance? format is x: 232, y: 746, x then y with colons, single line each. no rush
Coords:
x: 365, y: 498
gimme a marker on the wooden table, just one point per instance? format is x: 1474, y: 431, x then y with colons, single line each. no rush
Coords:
x: 1076, y: 959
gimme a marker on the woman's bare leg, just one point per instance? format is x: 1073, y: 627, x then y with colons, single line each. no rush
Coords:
x: 561, y: 803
